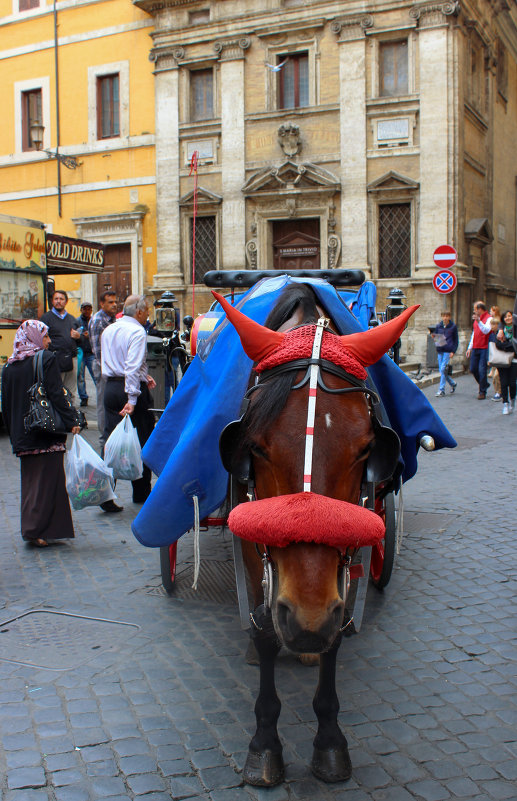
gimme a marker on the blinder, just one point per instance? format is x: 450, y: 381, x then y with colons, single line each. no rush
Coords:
x: 384, y: 457
x: 236, y: 458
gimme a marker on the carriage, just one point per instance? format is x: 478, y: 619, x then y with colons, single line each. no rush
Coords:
x: 316, y: 448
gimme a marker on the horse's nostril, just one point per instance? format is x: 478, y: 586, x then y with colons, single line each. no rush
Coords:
x: 283, y: 612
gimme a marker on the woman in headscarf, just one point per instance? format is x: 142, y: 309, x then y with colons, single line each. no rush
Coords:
x: 45, y: 509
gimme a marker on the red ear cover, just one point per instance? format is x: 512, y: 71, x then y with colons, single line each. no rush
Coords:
x: 306, y: 517
x: 257, y: 341
x: 369, y: 346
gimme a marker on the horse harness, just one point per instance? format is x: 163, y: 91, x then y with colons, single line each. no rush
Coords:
x: 380, y: 466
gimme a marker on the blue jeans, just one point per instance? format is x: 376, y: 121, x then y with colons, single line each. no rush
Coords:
x: 478, y: 367
x: 83, y: 362
x: 443, y: 361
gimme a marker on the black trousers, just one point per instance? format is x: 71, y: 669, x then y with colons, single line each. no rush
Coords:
x: 508, y: 376
x: 115, y: 398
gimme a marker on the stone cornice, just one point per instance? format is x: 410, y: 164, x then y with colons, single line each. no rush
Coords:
x: 154, y: 6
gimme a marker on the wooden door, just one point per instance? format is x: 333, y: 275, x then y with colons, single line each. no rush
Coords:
x: 117, y: 272
x: 296, y: 244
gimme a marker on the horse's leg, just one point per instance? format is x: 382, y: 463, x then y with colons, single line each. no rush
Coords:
x: 330, y: 758
x: 264, y: 765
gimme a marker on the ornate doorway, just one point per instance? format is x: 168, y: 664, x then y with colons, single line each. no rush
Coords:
x: 296, y: 244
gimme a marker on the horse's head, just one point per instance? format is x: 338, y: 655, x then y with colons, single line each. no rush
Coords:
x: 307, y: 471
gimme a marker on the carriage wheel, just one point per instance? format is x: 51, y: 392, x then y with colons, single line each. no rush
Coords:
x: 168, y: 554
x: 383, y: 554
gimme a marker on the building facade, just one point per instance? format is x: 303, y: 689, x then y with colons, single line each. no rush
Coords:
x: 77, y: 146
x: 359, y: 135
x: 327, y: 134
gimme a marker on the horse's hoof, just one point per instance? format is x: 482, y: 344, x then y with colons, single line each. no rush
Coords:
x: 263, y: 769
x: 332, y: 765
x: 309, y: 660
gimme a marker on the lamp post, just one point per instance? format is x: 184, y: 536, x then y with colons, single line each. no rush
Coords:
x: 395, y: 307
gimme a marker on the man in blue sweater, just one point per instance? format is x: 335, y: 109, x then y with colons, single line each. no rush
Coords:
x: 446, y: 340
x: 62, y: 329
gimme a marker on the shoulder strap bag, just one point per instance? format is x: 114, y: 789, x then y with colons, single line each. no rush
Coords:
x: 499, y: 358
x: 42, y: 416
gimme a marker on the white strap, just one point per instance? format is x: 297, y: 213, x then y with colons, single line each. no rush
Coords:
x: 311, y: 408
x: 197, y: 554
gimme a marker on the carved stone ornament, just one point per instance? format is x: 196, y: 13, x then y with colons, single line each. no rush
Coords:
x: 166, y: 57
x: 251, y: 253
x: 433, y: 13
x: 289, y: 139
x: 334, y: 249
x: 232, y: 48
x: 352, y: 27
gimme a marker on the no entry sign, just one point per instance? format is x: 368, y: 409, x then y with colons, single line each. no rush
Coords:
x: 445, y: 256
x: 445, y: 281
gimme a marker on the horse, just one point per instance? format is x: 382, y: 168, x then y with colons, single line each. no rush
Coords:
x: 307, y: 451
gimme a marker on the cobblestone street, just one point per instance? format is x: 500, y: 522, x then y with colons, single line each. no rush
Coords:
x: 111, y: 689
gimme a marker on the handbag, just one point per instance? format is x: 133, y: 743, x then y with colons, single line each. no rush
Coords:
x: 42, y: 416
x: 499, y: 358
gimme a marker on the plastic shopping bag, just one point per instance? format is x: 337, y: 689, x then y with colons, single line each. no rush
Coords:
x: 88, y: 481
x: 122, y: 451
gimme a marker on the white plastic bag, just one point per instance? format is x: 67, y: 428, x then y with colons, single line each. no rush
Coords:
x: 122, y: 451
x: 88, y: 481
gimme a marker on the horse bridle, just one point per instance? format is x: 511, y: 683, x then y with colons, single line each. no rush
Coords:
x: 387, y: 448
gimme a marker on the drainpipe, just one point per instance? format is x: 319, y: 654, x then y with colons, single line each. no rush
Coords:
x: 58, y: 135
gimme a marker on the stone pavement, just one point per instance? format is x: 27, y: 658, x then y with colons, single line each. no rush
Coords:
x: 110, y: 689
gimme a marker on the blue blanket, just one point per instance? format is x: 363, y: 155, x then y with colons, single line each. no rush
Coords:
x: 183, y: 450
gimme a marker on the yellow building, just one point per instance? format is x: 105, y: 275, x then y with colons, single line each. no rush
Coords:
x: 76, y: 81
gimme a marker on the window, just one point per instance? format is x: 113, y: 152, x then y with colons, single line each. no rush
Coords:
x: 201, y: 95
x: 394, y: 240
x: 108, y: 107
x: 206, y: 246
x: 393, y: 69
x: 31, y: 112
x: 293, y: 80
x: 26, y: 5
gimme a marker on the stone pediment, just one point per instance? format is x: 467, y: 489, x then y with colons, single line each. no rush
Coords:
x: 478, y: 230
x: 392, y: 182
x: 204, y: 197
x: 297, y: 239
x: 291, y: 176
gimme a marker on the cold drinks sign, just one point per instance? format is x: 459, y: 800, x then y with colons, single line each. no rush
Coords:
x: 67, y: 255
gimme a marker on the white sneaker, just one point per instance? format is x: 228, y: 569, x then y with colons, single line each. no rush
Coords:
x: 440, y: 393
x: 506, y: 408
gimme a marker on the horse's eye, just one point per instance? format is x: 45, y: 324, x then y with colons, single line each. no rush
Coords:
x: 256, y: 450
x: 364, y: 454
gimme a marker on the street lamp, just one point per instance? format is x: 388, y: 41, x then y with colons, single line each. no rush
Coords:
x: 36, y: 131
x: 395, y: 307
x: 166, y: 314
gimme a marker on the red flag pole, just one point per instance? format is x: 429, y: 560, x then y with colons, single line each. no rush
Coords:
x: 193, y: 169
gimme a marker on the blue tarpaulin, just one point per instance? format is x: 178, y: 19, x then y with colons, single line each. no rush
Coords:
x: 183, y: 450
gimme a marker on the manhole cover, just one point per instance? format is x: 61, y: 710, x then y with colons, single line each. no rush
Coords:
x: 58, y: 640
x: 216, y: 583
x: 427, y: 522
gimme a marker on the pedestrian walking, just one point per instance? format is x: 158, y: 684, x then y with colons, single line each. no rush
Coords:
x: 85, y: 357
x: 446, y: 340
x: 64, y: 338
x: 128, y: 385
x: 507, y: 374
x: 45, y: 509
x: 495, y: 314
x: 98, y: 323
x: 477, y: 350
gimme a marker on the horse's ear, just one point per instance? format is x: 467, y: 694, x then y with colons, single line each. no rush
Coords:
x: 369, y: 346
x: 257, y: 341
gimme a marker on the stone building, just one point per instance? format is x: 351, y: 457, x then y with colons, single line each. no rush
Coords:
x: 352, y: 134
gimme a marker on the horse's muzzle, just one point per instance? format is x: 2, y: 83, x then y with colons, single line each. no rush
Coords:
x: 301, y: 639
